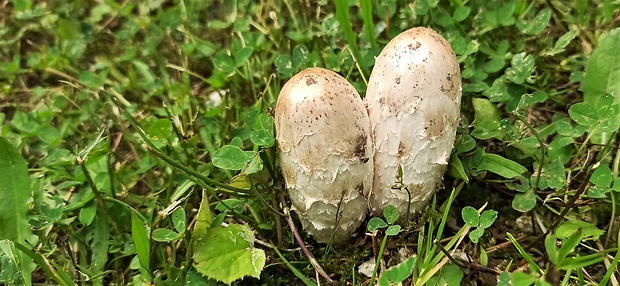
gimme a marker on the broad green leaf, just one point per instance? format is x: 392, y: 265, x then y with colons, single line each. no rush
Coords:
x: 461, y: 13
x: 22, y: 5
x: 88, y: 212
x: 449, y: 275
x: 242, y: 56
x: 522, y: 279
x: 504, y: 279
x: 179, y: 219
x: 50, y: 135
x: 602, y: 176
x: 465, y: 144
x: 552, y: 249
x: 266, y: 122
x: 392, y: 230
x: 487, y: 218
x: 397, y: 273
x: 263, y: 137
x: 300, y: 56
x: 100, y: 246
x: 603, y: 69
x: 391, y: 214
x: 597, y: 192
x: 487, y: 120
x: 524, y: 202
x: 442, y: 19
x: 229, y: 157
x: 376, y: 223
x: 224, y: 63
x: 15, y: 195
x: 255, y: 166
x: 456, y: 169
x: 164, y: 235
x: 537, y: 25
x: 485, y: 110
x: 241, y: 181
x: 470, y: 216
x: 204, y: 219
x: 561, y: 44
x: 556, y: 178
x: 194, y: 278
x: 564, y: 40
x: 616, y: 185
x: 584, y: 114
x: 499, y: 165
x: 160, y: 129
x: 528, y: 99
x: 284, y: 66
x: 9, y: 264
x: 567, y: 228
x: 476, y: 234
x: 141, y: 240
x: 423, y: 6
x: 227, y: 254
x: 521, y: 69
x: 484, y: 257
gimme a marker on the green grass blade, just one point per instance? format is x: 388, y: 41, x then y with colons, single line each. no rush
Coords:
x: 569, y: 244
x: 295, y: 271
x: 99, y: 246
x: 57, y: 274
x: 15, y: 195
x: 523, y: 253
x: 369, y: 25
x: 582, y: 261
x: 141, y: 240
x: 611, y: 269
x: 342, y: 14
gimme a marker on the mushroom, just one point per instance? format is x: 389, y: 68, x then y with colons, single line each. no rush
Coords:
x: 413, y: 101
x: 325, y: 152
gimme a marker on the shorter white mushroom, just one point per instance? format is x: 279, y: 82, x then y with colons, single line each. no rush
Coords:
x: 413, y: 101
x: 325, y: 152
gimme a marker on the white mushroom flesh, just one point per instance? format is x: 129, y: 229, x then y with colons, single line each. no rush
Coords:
x: 413, y: 101
x: 325, y: 152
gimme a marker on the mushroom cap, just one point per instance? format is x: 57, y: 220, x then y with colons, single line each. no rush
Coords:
x: 325, y: 152
x: 413, y: 102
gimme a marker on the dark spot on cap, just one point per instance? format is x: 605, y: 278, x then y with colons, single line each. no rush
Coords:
x: 310, y: 81
x: 360, y: 148
x: 415, y: 46
x: 360, y: 189
x: 401, y: 149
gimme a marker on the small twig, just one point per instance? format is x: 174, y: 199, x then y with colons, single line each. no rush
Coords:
x: 301, y: 243
x: 504, y: 244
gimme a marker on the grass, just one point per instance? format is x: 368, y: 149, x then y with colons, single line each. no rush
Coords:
x: 130, y: 132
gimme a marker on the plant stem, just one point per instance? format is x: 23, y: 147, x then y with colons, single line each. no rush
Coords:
x: 379, y: 256
x: 301, y: 244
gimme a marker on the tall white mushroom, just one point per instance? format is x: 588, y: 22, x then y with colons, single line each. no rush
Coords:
x: 413, y: 101
x: 325, y: 152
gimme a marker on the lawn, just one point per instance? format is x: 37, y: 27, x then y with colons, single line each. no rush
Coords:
x: 137, y: 143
